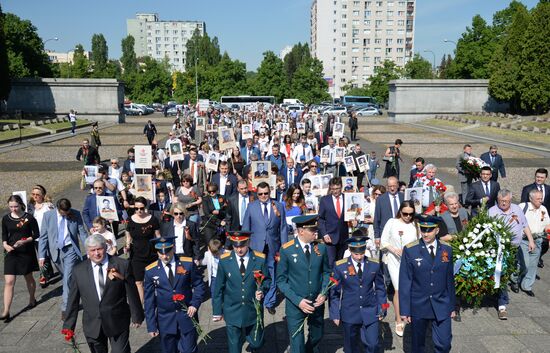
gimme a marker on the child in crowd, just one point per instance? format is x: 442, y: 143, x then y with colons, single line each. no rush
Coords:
x: 211, y: 260
x: 100, y: 227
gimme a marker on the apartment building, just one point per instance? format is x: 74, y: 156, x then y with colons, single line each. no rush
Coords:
x: 354, y: 37
x: 162, y: 39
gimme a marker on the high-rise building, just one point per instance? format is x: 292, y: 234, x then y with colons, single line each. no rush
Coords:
x: 354, y: 37
x: 162, y: 39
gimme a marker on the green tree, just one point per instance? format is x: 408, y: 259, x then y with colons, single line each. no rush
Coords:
x: 99, y: 55
x: 506, y: 62
x: 153, y: 83
x: 25, y: 49
x: 81, y: 65
x: 297, y: 55
x: 379, y: 82
x: 228, y: 78
x: 128, y: 59
x: 308, y: 84
x: 271, y: 79
x: 535, y: 61
x: 502, y: 20
x: 474, y: 51
x: 203, y: 49
x: 5, y: 82
x: 418, y: 68
x: 444, y: 66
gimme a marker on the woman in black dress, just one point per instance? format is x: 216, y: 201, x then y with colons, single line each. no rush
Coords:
x: 142, y: 227
x: 394, y: 155
x: 19, y: 230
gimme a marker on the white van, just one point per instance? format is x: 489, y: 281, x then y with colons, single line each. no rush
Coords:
x: 292, y: 101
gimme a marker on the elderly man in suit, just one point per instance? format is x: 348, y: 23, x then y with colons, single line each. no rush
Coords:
x: 235, y: 291
x: 238, y: 203
x: 496, y: 162
x: 91, y: 209
x: 387, y: 206
x: 464, y: 179
x: 194, y: 166
x: 109, y: 299
x: 60, y: 233
x: 184, y: 232
x: 248, y: 150
x: 291, y: 174
x: 266, y: 219
x: 332, y: 227
x: 226, y: 182
x: 541, y: 175
x: 427, y: 287
x: 484, y: 190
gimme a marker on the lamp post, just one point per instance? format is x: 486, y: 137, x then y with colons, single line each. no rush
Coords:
x: 196, y: 80
x: 47, y: 40
x: 449, y: 41
x: 433, y: 54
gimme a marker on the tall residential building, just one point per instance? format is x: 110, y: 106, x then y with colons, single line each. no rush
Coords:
x: 159, y: 39
x: 353, y: 37
x: 59, y: 58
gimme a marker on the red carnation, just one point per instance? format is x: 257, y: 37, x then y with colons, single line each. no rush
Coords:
x: 178, y: 297
x: 334, y: 280
x: 431, y: 183
x: 385, y: 306
x: 69, y: 334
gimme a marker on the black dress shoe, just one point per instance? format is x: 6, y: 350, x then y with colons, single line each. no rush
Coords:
x: 537, y: 277
x: 529, y: 292
x: 541, y: 263
x: 514, y: 287
x: 271, y: 311
x: 457, y: 317
x: 6, y: 318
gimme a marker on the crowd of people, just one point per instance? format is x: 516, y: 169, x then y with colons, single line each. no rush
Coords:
x: 264, y: 206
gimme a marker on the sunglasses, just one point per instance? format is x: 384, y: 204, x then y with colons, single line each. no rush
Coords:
x: 405, y: 214
x: 211, y: 191
x: 98, y: 187
x: 263, y: 193
x: 114, y: 163
x: 313, y: 166
x: 178, y: 213
x: 140, y: 208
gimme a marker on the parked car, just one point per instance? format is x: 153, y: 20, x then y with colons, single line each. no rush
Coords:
x: 158, y: 107
x: 368, y: 111
x: 336, y: 110
x: 132, y: 111
x: 299, y: 108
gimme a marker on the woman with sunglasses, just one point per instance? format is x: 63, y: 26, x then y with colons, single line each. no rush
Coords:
x: 39, y: 204
x: 312, y: 170
x: 215, y: 208
x: 190, y: 196
x: 185, y: 231
x: 141, y: 228
x: 19, y: 230
x: 397, y: 233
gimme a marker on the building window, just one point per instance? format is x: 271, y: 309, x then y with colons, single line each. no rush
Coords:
x: 390, y: 13
x: 400, y: 13
x: 379, y: 13
x: 378, y: 41
x: 389, y: 32
x: 367, y: 22
x: 343, y: 80
x: 400, y: 23
x: 388, y: 51
x: 355, y: 50
x: 367, y: 4
x: 389, y: 41
x: 367, y: 13
x: 389, y: 22
x: 378, y: 23
x: 366, y: 41
x: 377, y: 50
x: 355, y: 22
x: 399, y: 40
x: 343, y: 71
x: 399, y: 50
x: 379, y: 4
x: 390, y: 3
x: 355, y: 41
x: 356, y: 13
x: 343, y: 53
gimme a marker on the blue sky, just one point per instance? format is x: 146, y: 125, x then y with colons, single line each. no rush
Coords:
x: 245, y: 28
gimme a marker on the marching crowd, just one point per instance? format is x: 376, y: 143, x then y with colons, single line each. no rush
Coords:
x: 254, y: 207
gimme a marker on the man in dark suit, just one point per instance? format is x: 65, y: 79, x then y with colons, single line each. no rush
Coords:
x: 90, y: 210
x: 88, y: 154
x: 60, y: 236
x: 194, y: 166
x: 541, y: 175
x: 291, y: 174
x: 427, y: 287
x: 332, y: 226
x: 162, y: 205
x: 464, y: 178
x: 129, y: 165
x: 150, y: 131
x: 184, y: 232
x: 238, y: 203
x: 249, y: 149
x: 176, y: 169
x: 226, y: 182
x: 496, y: 162
x: 266, y: 220
x: 387, y: 206
x: 321, y: 137
x: 483, y: 190
x: 110, y: 299
x: 418, y: 168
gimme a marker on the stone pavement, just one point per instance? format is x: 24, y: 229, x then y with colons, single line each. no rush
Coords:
x: 480, y: 331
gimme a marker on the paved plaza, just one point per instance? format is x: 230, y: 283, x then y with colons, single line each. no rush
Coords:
x: 53, y: 164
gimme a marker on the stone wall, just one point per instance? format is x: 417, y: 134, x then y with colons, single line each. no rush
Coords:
x: 93, y: 99
x: 414, y: 100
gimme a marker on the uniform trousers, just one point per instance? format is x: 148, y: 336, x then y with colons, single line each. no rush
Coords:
x: 441, y: 334
x: 295, y: 317
x: 367, y: 333
x: 236, y: 336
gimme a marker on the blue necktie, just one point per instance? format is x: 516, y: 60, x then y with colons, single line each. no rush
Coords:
x: 243, y: 209
x: 61, y: 233
x: 395, y: 205
x: 266, y: 215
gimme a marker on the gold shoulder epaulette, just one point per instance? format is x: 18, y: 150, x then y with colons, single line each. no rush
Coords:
x: 225, y: 254
x: 150, y: 266
x: 372, y: 259
x: 259, y: 254
x: 413, y: 243
x: 339, y: 262
x: 288, y: 243
x: 186, y: 259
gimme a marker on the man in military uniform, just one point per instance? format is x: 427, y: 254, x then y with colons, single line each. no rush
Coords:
x: 427, y: 287
x: 302, y: 275
x: 164, y: 312
x: 235, y: 291
x: 359, y: 299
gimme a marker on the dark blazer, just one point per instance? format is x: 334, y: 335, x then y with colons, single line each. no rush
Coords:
x: 497, y: 166
x: 272, y: 232
x: 190, y: 247
x: 126, y: 166
x: 254, y: 150
x: 329, y: 223
x: 89, y: 212
x: 230, y: 186
x: 527, y: 189
x: 298, y: 174
x: 412, y: 176
x: 154, y: 209
x: 476, y: 193
x: 186, y: 159
x: 382, y: 212
x: 93, y: 156
x: 150, y: 130
x: 233, y: 216
x: 213, y: 221
x: 322, y: 143
x: 174, y: 168
x: 112, y: 314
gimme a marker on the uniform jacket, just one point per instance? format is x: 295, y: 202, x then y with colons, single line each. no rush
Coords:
x: 357, y: 300
x: 49, y: 233
x: 112, y: 313
x: 297, y: 279
x: 161, y: 312
x: 234, y: 294
x: 272, y: 232
x: 426, y: 286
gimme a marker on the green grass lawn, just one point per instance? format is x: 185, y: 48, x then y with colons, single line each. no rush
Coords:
x: 4, y: 135
x: 444, y: 123
x: 58, y: 126
x: 14, y: 121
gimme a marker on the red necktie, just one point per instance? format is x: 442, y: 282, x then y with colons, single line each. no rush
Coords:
x: 193, y: 171
x: 338, y: 207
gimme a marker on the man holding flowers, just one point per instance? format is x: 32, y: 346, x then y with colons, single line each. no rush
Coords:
x: 241, y: 283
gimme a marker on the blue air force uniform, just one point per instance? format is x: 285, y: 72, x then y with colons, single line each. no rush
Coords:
x: 357, y: 299
x: 427, y: 289
x: 163, y: 314
x: 299, y: 278
x: 234, y: 295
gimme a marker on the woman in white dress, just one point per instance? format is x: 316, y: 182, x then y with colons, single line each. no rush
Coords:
x: 397, y: 233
